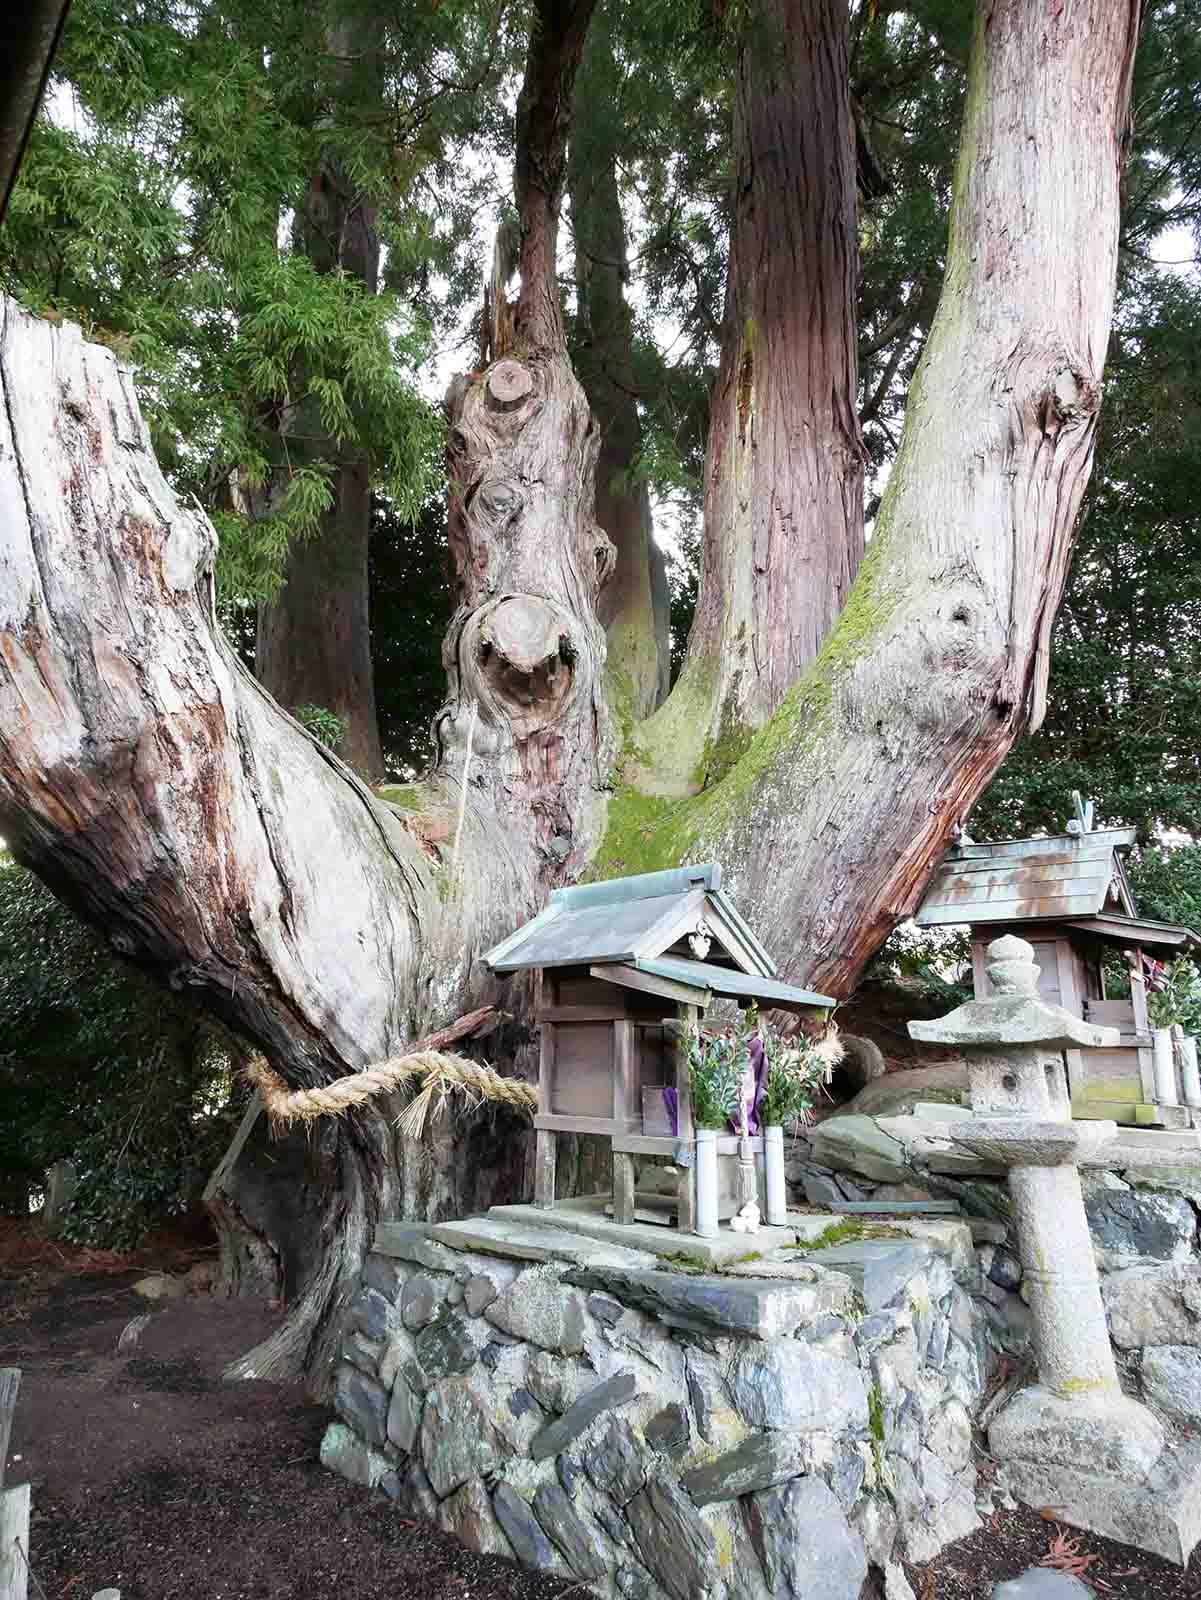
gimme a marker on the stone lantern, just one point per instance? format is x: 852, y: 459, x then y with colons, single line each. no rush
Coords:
x: 1073, y: 1440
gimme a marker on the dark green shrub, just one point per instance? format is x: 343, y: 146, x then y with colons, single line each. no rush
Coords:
x: 101, y: 1067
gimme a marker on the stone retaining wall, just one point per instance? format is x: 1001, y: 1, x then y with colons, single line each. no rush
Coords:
x: 1144, y: 1215
x: 769, y: 1431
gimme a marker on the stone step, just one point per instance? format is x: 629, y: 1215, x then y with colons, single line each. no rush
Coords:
x: 753, y: 1308
x: 528, y: 1242
x: 1164, y: 1138
x: 587, y: 1216
x: 902, y: 1208
x: 1121, y: 1153
x: 879, y: 1268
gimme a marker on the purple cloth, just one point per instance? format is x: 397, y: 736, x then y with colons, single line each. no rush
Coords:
x: 672, y: 1106
x: 759, y: 1068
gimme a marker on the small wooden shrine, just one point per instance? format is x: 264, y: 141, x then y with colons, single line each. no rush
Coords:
x: 1068, y: 895
x: 622, y: 967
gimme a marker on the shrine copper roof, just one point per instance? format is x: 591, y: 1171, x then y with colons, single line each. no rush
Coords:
x: 623, y: 919
x: 1031, y: 880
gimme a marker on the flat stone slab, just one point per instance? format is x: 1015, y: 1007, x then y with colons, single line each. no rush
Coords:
x: 902, y: 1208
x: 850, y: 1142
x: 755, y: 1308
x: 879, y: 1268
x: 1121, y: 1154
x: 587, y: 1217
x: 793, y: 1267
x: 412, y: 1241
x: 809, y: 1226
x: 1162, y: 1513
x: 557, y: 1435
x: 760, y: 1462
x: 524, y: 1241
x: 1163, y: 1138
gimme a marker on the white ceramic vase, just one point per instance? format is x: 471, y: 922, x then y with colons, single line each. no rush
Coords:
x: 706, y: 1182
x: 1163, y: 1063
x: 773, y: 1163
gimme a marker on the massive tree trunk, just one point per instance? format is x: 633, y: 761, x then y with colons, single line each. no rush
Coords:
x: 635, y: 605
x: 313, y: 646
x: 156, y: 786
x: 832, y: 821
x: 783, y: 498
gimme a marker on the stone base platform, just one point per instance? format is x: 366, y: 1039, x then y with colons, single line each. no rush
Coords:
x: 545, y: 1387
x: 587, y: 1217
x: 1161, y: 1513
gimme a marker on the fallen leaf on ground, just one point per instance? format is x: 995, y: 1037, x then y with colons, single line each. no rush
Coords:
x: 1065, y: 1555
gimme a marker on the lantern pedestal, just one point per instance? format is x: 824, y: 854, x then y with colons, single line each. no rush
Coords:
x: 1073, y: 1440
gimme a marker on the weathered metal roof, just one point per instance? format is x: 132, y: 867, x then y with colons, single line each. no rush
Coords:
x: 622, y: 919
x: 1132, y: 931
x: 732, y: 985
x: 1031, y: 880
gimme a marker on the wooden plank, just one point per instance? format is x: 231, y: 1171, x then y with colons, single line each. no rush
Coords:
x: 623, y: 1188
x: 1110, y: 1013
x: 626, y: 1097
x: 582, y: 1085
x: 1052, y: 877
x: 648, y: 983
x: 604, y: 1126
x: 545, y: 1155
x: 576, y: 986
x: 14, y: 1543
x: 589, y: 1013
x: 1018, y: 853
x: 1071, y: 996
x: 546, y: 1065
x: 645, y: 1144
x: 1035, y: 909
x: 10, y: 1383
x: 656, y: 1144
x: 1146, y: 1072
x: 1138, y: 998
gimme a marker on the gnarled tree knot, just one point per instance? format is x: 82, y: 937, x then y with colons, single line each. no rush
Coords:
x: 525, y: 659
x: 605, y: 553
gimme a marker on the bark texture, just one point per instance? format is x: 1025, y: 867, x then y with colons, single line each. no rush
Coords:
x: 313, y: 646
x: 635, y: 605
x: 783, y: 495
x: 149, y: 780
x: 834, y: 819
x: 526, y: 718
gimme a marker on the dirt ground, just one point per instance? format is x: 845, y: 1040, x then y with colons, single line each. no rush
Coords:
x: 153, y: 1476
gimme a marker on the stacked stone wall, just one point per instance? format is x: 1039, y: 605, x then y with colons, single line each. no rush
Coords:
x: 1144, y: 1221
x: 776, y: 1430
